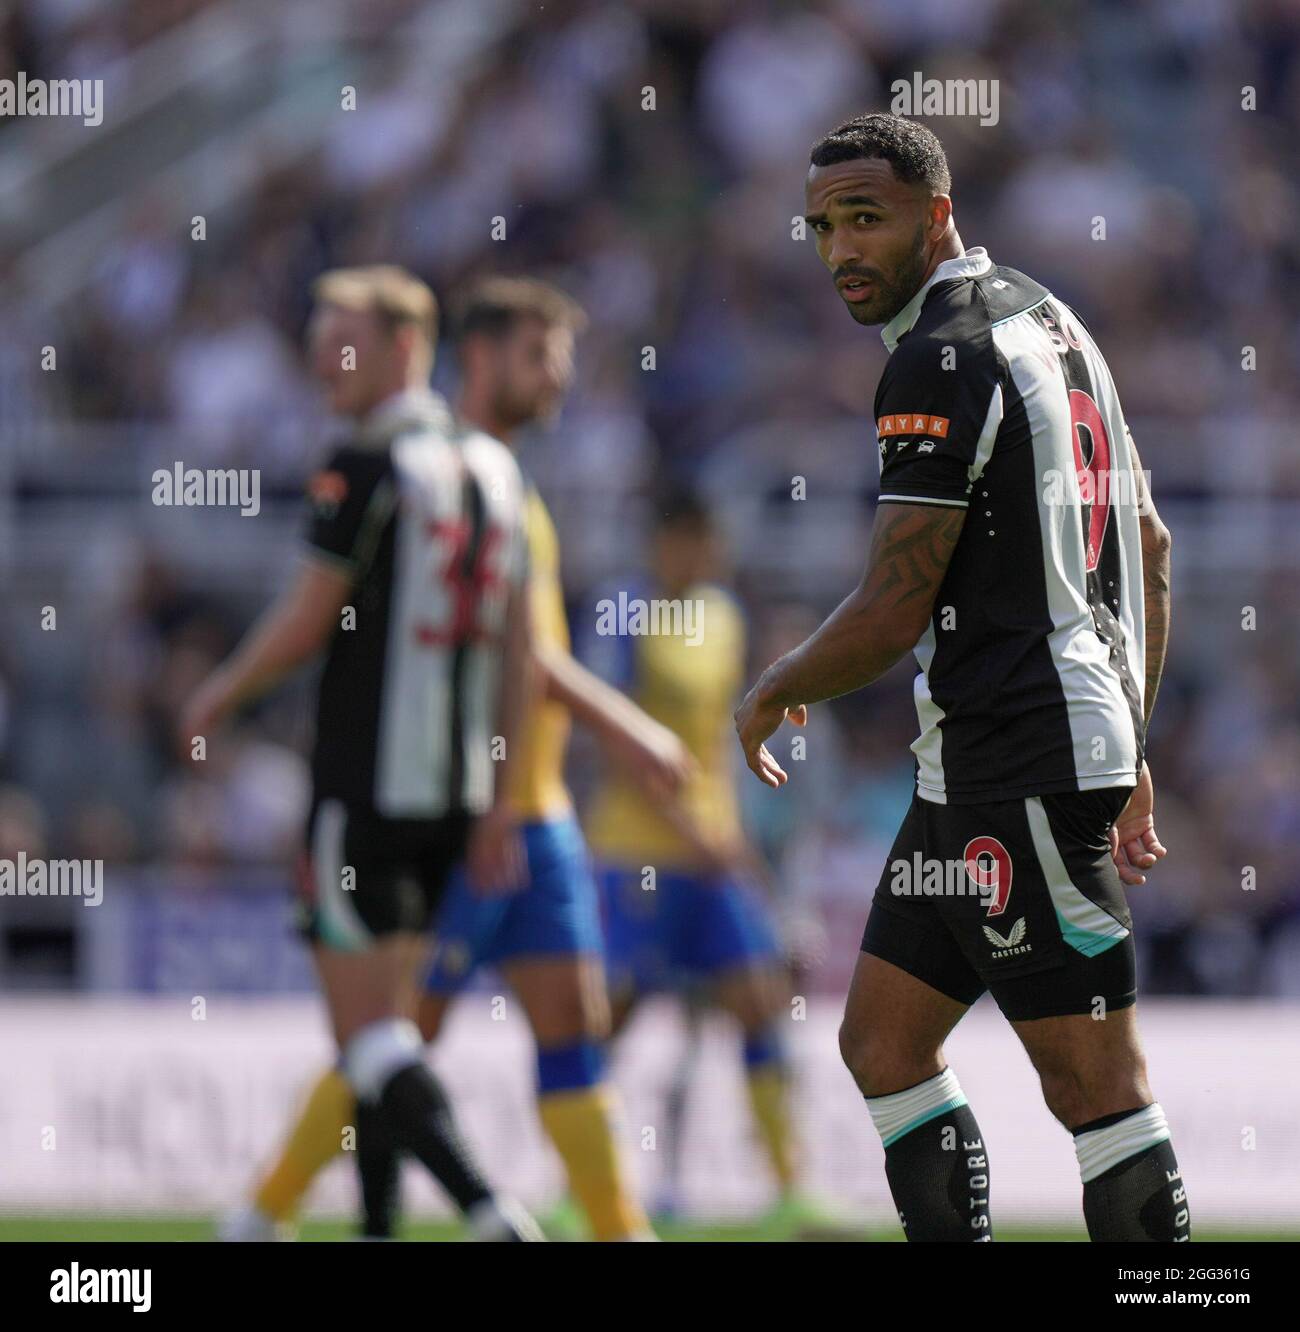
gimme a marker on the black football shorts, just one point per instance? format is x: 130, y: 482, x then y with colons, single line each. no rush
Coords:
x: 362, y: 875
x: 1018, y: 897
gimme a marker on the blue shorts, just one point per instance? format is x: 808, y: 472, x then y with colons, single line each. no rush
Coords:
x: 685, y: 928
x: 555, y: 915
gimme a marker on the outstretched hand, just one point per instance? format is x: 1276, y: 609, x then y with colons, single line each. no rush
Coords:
x: 755, y: 721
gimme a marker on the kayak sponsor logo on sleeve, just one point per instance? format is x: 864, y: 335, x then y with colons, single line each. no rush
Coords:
x: 913, y: 423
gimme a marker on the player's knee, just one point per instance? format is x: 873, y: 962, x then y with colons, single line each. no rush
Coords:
x: 751, y: 997
x: 561, y: 1018
x: 1063, y: 1094
x: 748, y: 1008
x: 861, y: 1053
x: 430, y: 1015
x: 377, y: 1051
x: 353, y: 1013
x: 594, y: 1021
x: 879, y: 1062
x: 1079, y: 1095
x: 622, y: 1004
x: 597, y: 1021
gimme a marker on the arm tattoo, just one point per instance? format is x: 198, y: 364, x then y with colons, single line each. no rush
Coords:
x: 910, y: 551
x: 1155, y: 580
x: 1156, y: 566
x: 884, y: 617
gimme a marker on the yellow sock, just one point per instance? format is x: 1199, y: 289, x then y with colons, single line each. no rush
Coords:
x: 316, y: 1139
x: 769, y: 1098
x: 580, y: 1123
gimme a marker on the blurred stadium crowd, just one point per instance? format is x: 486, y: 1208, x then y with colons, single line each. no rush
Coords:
x: 649, y: 157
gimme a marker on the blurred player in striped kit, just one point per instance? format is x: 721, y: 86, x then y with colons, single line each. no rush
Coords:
x: 413, y: 583
x: 516, y: 343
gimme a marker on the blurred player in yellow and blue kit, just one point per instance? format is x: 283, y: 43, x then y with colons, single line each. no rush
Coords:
x: 516, y: 355
x: 682, y: 890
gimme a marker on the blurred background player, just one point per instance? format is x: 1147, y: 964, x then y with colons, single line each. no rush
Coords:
x: 682, y: 889
x: 414, y: 584
x: 516, y: 360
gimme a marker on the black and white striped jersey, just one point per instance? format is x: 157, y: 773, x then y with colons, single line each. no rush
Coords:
x: 996, y: 400
x: 426, y: 517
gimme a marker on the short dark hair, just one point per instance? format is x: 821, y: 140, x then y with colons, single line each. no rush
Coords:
x: 495, y: 305
x: 912, y: 150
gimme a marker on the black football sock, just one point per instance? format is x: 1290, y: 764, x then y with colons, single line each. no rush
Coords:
x: 379, y: 1163
x: 935, y: 1161
x: 385, y: 1067
x: 420, y: 1118
x: 1132, y: 1191
x: 384, y: 1063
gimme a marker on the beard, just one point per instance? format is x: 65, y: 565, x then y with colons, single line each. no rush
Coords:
x: 516, y: 410
x: 513, y: 409
x: 894, y: 289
